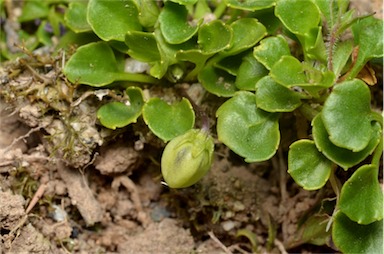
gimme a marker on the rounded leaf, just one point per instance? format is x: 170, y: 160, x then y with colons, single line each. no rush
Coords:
x: 92, y: 64
x: 288, y: 71
x: 229, y: 64
x: 217, y: 81
x: 142, y: 46
x: 34, y: 10
x: 95, y: 64
x: 347, y: 115
x: 250, y: 5
x: 111, y: 20
x: 361, y: 197
x: 76, y: 17
x: 270, y: 50
x: 168, y: 121
x: 307, y: 166
x: 368, y: 35
x: 214, y: 37
x: 174, y: 23
x: 247, y: 130
x: 273, y: 97
x: 117, y: 114
x: 250, y: 71
x: 148, y: 12
x: 187, y: 158
x: 341, y: 156
x: 351, y: 237
x: 254, y: 30
x: 299, y: 16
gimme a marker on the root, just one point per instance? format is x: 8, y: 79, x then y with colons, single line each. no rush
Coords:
x: 221, y: 245
x: 130, y: 186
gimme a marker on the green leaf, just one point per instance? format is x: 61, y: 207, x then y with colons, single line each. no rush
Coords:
x: 254, y: 30
x: 341, y: 56
x: 168, y: 54
x: 347, y: 115
x: 314, y: 46
x: 195, y: 56
x: 230, y: 64
x: 187, y: 158
x: 288, y: 71
x: 217, y: 81
x: 111, y: 20
x: 117, y: 114
x: 76, y: 17
x: 43, y: 36
x: 214, y: 37
x: 250, y: 5
x: 314, y: 230
x: 299, y: 16
x: 269, y: 20
x: 307, y: 166
x: 174, y: 23
x: 202, y: 9
x: 56, y: 19
x: 351, y: 237
x: 71, y: 38
x: 95, y: 64
x: 317, y: 79
x: 34, y: 10
x: 185, y: 2
x: 247, y: 130
x: 92, y: 64
x: 330, y: 11
x: 142, y: 46
x: 361, y: 197
x: 270, y: 50
x: 368, y: 35
x: 341, y: 156
x: 273, y: 97
x: 148, y: 12
x: 168, y: 121
x: 250, y: 71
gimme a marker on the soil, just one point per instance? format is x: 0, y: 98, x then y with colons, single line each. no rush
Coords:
x: 68, y: 185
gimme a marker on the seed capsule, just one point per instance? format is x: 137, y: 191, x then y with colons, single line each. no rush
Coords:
x: 187, y: 158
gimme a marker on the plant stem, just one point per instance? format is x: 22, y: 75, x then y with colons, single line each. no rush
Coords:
x: 308, y: 111
x: 220, y: 8
x: 136, y: 77
x: 335, y: 182
x: 377, y: 153
x: 376, y: 116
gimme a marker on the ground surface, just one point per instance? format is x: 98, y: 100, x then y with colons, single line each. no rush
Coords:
x: 68, y: 185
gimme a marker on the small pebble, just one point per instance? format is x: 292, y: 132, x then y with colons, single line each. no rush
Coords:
x: 228, y: 225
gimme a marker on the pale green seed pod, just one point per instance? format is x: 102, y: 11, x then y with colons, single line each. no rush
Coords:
x: 187, y: 158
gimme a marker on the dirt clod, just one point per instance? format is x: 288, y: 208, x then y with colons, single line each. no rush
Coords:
x: 164, y: 237
x: 81, y: 195
x: 30, y: 241
x: 11, y: 209
x: 117, y: 158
